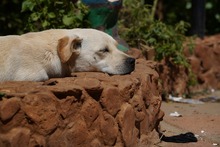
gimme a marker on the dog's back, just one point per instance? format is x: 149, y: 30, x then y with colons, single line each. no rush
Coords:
x: 8, y: 45
x: 21, y: 57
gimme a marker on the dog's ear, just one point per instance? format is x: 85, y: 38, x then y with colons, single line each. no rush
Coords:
x: 68, y: 46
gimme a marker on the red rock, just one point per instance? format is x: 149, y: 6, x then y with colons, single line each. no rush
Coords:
x: 77, y: 133
x: 16, y: 137
x: 195, y: 64
x: 126, y: 120
x: 208, y: 52
x: 37, y: 140
x: 204, y: 60
x: 111, y: 100
x: 109, y: 129
x: 8, y: 108
x: 41, y: 111
x: 88, y: 109
x: 135, y: 53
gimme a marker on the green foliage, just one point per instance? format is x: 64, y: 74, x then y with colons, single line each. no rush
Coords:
x: 47, y: 14
x: 134, y: 21
x: 12, y: 21
x: 139, y: 28
x: 167, y: 41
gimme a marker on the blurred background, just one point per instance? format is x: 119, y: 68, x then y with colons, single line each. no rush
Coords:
x: 15, y: 15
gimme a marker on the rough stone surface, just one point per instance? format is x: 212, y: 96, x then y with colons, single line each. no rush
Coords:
x: 9, y: 108
x: 87, y: 109
x: 205, y: 61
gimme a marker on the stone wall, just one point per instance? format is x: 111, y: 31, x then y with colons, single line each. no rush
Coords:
x: 205, y: 62
x: 88, y: 109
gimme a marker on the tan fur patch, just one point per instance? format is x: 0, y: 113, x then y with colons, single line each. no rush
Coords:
x: 63, y: 49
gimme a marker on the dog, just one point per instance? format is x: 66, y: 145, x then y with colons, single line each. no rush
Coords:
x: 38, y: 56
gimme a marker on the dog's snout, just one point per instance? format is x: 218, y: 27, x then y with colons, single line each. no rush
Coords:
x: 130, y: 61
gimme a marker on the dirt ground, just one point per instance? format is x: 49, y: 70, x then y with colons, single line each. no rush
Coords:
x: 199, y: 125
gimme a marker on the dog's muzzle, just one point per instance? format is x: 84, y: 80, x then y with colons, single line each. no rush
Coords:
x: 130, y: 64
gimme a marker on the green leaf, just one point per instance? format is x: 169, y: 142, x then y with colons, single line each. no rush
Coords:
x: 59, y: 3
x: 61, y: 11
x: 45, y: 24
x: 35, y: 16
x: 44, y: 11
x: 151, y: 41
x: 51, y: 15
x: 27, y: 5
x: 67, y: 20
x: 80, y: 16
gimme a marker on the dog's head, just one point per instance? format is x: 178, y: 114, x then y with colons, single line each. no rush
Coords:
x: 93, y: 50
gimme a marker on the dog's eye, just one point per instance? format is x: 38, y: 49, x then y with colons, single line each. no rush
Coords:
x: 78, y: 45
x: 105, y: 50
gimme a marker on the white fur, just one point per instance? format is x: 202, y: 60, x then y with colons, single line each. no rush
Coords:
x: 36, y: 57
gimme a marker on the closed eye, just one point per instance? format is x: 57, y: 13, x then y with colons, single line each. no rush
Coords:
x: 105, y: 50
x: 78, y: 44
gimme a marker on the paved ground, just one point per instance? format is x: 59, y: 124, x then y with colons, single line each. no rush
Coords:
x: 198, y: 121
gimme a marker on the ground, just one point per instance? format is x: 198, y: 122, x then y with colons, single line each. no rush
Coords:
x: 200, y: 119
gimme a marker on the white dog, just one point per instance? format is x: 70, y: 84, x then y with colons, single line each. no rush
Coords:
x: 39, y: 56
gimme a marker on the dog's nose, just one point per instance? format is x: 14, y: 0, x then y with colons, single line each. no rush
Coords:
x: 130, y: 61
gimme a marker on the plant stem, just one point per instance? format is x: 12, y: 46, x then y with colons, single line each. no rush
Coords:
x: 153, y: 10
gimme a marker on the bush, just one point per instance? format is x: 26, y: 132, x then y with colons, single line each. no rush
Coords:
x: 167, y: 41
x: 47, y: 14
x: 139, y: 28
